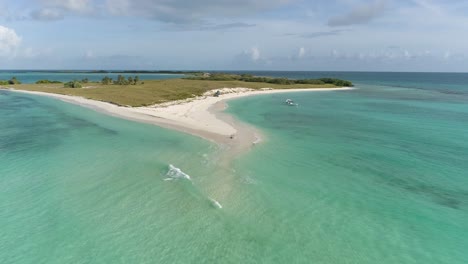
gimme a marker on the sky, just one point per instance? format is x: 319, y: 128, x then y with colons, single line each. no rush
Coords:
x: 308, y: 35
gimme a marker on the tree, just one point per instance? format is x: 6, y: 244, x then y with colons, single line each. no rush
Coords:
x: 136, y: 79
x: 45, y: 81
x: 73, y: 84
x: 121, y: 80
x: 13, y: 80
x: 130, y: 80
x: 106, y: 80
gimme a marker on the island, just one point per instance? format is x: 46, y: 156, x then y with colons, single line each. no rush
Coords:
x: 193, y: 104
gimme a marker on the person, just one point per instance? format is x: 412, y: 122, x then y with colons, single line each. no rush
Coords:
x: 217, y: 93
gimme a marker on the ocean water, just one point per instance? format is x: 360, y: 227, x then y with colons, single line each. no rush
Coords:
x: 378, y: 174
x: 32, y: 76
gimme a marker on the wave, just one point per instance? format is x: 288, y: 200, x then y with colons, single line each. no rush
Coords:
x: 175, y: 173
x: 215, y: 203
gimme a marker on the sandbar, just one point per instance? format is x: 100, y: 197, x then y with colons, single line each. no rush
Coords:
x: 201, y: 116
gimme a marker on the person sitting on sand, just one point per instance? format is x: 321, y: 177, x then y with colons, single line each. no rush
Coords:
x: 217, y: 93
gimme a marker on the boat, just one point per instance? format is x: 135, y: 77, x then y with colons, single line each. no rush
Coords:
x: 290, y: 102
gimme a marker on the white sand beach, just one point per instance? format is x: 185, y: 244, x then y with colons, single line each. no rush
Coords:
x: 201, y: 116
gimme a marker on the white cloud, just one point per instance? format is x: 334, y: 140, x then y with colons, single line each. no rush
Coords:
x: 9, y: 41
x: 57, y: 9
x: 254, y: 53
x: 69, y: 5
x: 180, y: 14
x: 387, y: 54
x: 256, y: 36
x: 301, y: 53
x: 250, y: 57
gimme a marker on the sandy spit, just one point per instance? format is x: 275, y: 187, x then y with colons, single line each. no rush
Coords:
x: 201, y: 116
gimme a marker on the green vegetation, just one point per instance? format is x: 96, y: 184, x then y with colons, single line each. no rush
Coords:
x: 154, y: 91
x: 106, y: 81
x: 47, y: 81
x: 12, y: 81
x: 73, y: 84
x: 152, y: 72
x: 282, y: 81
x: 121, y: 80
x: 129, y: 72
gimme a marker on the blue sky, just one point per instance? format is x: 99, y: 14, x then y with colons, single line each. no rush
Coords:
x: 351, y: 35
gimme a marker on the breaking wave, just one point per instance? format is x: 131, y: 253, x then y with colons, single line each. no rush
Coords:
x: 215, y: 203
x: 175, y: 173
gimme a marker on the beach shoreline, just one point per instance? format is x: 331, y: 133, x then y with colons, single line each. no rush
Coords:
x: 203, y: 116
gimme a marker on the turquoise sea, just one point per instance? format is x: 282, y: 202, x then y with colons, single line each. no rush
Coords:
x: 378, y: 174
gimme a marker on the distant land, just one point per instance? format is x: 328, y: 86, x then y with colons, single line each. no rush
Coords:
x: 106, y: 71
x: 132, y: 91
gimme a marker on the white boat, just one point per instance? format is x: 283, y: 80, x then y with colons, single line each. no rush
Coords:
x: 290, y: 102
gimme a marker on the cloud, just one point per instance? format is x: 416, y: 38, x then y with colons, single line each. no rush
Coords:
x: 359, y: 15
x: 9, y: 41
x: 70, y: 5
x: 178, y: 14
x: 301, y: 52
x: 250, y: 56
x: 231, y: 25
x: 52, y: 10
x: 47, y: 14
x: 255, y: 53
x: 323, y: 33
x: 206, y: 26
x: 389, y: 54
x: 189, y: 12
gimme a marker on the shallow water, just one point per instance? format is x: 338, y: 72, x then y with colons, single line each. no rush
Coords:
x: 373, y: 175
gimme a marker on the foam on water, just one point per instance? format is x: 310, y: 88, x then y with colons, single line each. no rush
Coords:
x: 175, y: 173
x: 215, y: 203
